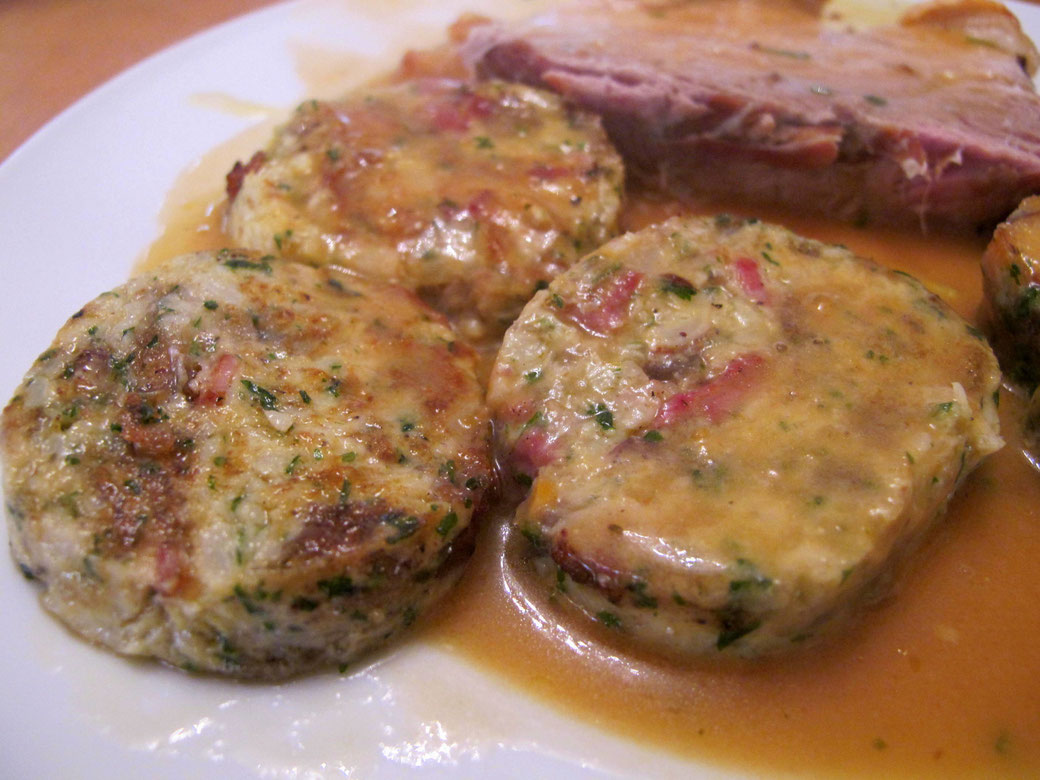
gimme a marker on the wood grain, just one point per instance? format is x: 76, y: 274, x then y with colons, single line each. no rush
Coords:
x: 52, y: 52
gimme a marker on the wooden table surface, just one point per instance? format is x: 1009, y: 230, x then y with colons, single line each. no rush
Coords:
x: 52, y: 52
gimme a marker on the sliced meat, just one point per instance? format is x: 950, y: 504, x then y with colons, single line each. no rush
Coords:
x: 934, y: 121
x: 816, y: 418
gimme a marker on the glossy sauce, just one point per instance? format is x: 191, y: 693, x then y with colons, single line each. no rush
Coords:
x: 940, y: 679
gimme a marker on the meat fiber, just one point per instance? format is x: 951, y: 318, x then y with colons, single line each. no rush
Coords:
x: 932, y: 121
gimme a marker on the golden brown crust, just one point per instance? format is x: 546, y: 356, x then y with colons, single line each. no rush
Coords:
x: 244, y: 465
x: 470, y: 194
x: 1011, y: 283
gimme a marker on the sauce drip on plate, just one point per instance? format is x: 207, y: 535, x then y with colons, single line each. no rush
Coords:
x: 939, y: 679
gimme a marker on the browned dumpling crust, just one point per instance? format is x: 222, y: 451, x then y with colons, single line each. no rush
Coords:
x: 1011, y: 283
x: 243, y: 465
x: 731, y: 432
x: 473, y: 195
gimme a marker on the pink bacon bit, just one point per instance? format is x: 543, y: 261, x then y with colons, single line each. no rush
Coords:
x: 535, y: 448
x: 548, y: 172
x: 458, y: 109
x: 750, y: 279
x: 170, y: 569
x: 604, y: 308
x: 214, y: 381
x: 238, y: 173
x: 716, y: 398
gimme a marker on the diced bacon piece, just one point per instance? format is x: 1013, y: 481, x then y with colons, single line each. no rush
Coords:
x: 238, y: 173
x: 459, y: 111
x: 534, y: 449
x: 750, y: 279
x: 609, y: 577
x: 169, y: 568
x: 548, y: 172
x: 482, y: 205
x: 214, y: 381
x: 604, y: 307
x: 714, y: 399
x: 143, y: 426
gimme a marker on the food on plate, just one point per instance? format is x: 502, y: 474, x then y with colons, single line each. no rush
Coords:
x: 1011, y: 286
x: 242, y: 465
x: 1011, y: 308
x: 933, y: 122
x: 732, y: 433
x: 471, y: 195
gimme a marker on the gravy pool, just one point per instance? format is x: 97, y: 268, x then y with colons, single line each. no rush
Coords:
x: 941, y: 679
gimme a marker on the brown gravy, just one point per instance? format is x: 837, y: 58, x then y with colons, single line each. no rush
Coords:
x: 941, y: 679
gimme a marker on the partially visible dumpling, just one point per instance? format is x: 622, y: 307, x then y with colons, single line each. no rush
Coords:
x: 247, y: 466
x: 472, y: 195
x: 1011, y: 283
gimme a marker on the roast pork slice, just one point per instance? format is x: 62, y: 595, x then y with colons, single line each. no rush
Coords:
x: 932, y: 121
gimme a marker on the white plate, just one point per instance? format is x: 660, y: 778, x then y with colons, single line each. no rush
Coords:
x: 79, y: 203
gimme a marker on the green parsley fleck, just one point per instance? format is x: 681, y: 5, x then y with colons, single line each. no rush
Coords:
x: 676, y: 285
x: 791, y: 53
x: 448, y: 522
x: 264, y: 397
x: 340, y: 585
x: 603, y: 416
x: 280, y: 237
x: 447, y: 469
x: 236, y: 263
x: 404, y: 525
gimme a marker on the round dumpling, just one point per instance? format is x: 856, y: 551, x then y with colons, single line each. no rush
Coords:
x: 242, y: 465
x: 1011, y: 282
x: 732, y: 433
x: 472, y: 195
